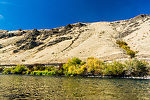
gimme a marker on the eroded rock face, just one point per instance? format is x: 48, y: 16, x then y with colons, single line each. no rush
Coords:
x: 1, y: 46
x: 35, y: 37
x: 30, y: 45
x: 29, y: 42
x: 6, y: 35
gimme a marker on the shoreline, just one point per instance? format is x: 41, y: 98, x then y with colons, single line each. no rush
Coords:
x: 86, y: 76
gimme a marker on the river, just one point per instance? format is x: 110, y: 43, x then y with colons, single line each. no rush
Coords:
x: 17, y: 87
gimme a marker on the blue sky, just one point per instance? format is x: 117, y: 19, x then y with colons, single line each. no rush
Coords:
x: 47, y: 14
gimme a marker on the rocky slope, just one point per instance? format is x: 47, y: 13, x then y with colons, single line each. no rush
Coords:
x: 76, y: 40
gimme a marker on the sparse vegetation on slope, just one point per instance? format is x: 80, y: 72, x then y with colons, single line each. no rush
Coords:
x: 125, y: 46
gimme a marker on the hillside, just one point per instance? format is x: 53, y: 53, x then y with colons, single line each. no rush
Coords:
x: 81, y: 40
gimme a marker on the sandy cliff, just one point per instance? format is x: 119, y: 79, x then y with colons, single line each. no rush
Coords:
x: 76, y: 40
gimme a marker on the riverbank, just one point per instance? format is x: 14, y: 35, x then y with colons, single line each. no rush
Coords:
x: 92, y: 67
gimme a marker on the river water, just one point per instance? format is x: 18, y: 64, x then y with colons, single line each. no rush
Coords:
x: 16, y: 87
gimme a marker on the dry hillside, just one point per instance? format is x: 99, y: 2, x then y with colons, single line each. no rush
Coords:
x: 76, y: 40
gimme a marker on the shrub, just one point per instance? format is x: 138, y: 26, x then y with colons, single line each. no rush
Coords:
x: 32, y: 73
x: 81, y: 70
x: 125, y: 46
x: 50, y: 68
x: 7, y: 71
x: 90, y: 58
x: 28, y: 72
x: 69, y: 69
x: 137, y: 68
x: 114, y: 69
x: 51, y: 73
x: 74, y: 61
x: 38, y: 67
x: 19, y: 69
x: 30, y: 67
x: 131, y: 53
x: 56, y: 70
x: 72, y: 70
x: 38, y: 73
x: 94, y: 66
x: 65, y: 68
x: 72, y: 67
x: 121, y: 43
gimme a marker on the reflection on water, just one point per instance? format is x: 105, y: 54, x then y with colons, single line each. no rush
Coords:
x: 60, y: 88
